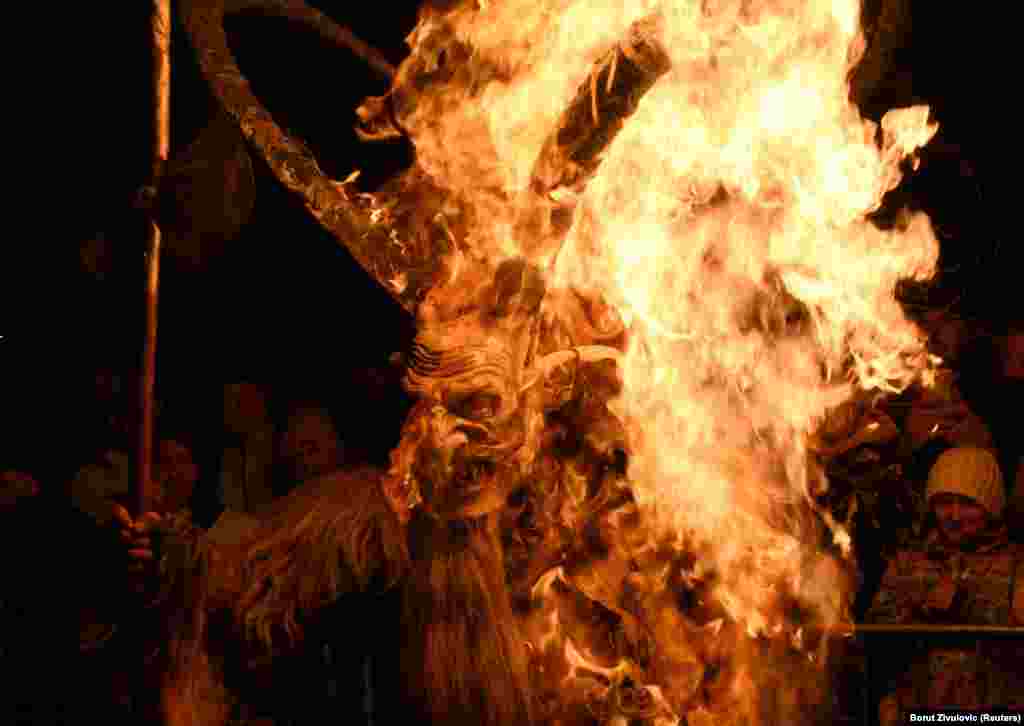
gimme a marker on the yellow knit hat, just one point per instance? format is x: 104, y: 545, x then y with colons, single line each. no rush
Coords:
x: 972, y: 472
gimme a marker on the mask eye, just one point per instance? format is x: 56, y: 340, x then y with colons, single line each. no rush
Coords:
x: 518, y: 498
x: 476, y: 406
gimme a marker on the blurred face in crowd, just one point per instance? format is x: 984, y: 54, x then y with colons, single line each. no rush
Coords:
x: 106, y: 386
x: 946, y: 334
x: 245, y: 407
x: 960, y: 519
x: 96, y: 256
x: 310, y: 447
x: 1013, y: 356
x: 15, y: 487
x: 176, y: 472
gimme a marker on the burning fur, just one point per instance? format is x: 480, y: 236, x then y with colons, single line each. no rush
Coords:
x: 635, y: 240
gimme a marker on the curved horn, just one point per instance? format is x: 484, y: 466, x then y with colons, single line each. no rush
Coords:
x: 344, y: 214
x: 573, y: 151
x: 319, y: 23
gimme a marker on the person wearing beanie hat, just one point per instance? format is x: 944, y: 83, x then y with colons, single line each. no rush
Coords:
x: 966, y: 573
x: 965, y: 493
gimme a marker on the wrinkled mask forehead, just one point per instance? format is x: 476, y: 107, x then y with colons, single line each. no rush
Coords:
x: 476, y: 341
x: 475, y: 380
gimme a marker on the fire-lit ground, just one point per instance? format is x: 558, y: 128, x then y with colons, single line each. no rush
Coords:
x: 718, y: 203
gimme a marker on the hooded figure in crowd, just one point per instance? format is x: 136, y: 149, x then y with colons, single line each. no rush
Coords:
x: 966, y: 573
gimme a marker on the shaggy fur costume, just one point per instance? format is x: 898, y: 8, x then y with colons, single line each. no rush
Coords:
x: 234, y: 609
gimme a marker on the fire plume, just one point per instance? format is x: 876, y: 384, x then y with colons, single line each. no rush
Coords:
x: 723, y: 214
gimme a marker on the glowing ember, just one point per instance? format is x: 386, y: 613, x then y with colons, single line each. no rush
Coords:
x: 726, y: 224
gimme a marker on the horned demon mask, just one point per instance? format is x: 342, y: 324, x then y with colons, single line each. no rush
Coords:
x: 496, y: 350
x: 513, y: 372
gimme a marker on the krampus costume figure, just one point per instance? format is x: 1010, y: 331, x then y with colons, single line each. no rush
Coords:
x: 498, y: 368
x: 499, y: 569
x: 429, y: 529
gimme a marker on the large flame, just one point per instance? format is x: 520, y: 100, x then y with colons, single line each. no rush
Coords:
x: 728, y: 224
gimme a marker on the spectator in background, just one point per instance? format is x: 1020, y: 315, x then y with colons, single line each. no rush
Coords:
x: 176, y: 473
x: 16, y: 487
x: 38, y: 647
x: 248, y: 455
x: 1013, y: 355
x: 941, y: 413
x: 310, y: 446
x: 1015, y: 506
x: 966, y: 573
x: 95, y: 256
x: 1011, y: 392
x: 123, y: 676
x: 112, y: 480
x: 108, y: 473
x: 99, y: 489
x: 947, y: 334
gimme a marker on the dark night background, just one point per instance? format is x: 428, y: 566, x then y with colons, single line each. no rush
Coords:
x: 283, y: 303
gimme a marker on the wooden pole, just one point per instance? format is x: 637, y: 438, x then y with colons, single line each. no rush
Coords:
x: 160, y: 27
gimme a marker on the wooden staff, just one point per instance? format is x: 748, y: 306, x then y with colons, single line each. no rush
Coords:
x: 160, y: 27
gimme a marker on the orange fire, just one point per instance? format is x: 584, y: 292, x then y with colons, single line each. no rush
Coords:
x: 727, y: 224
